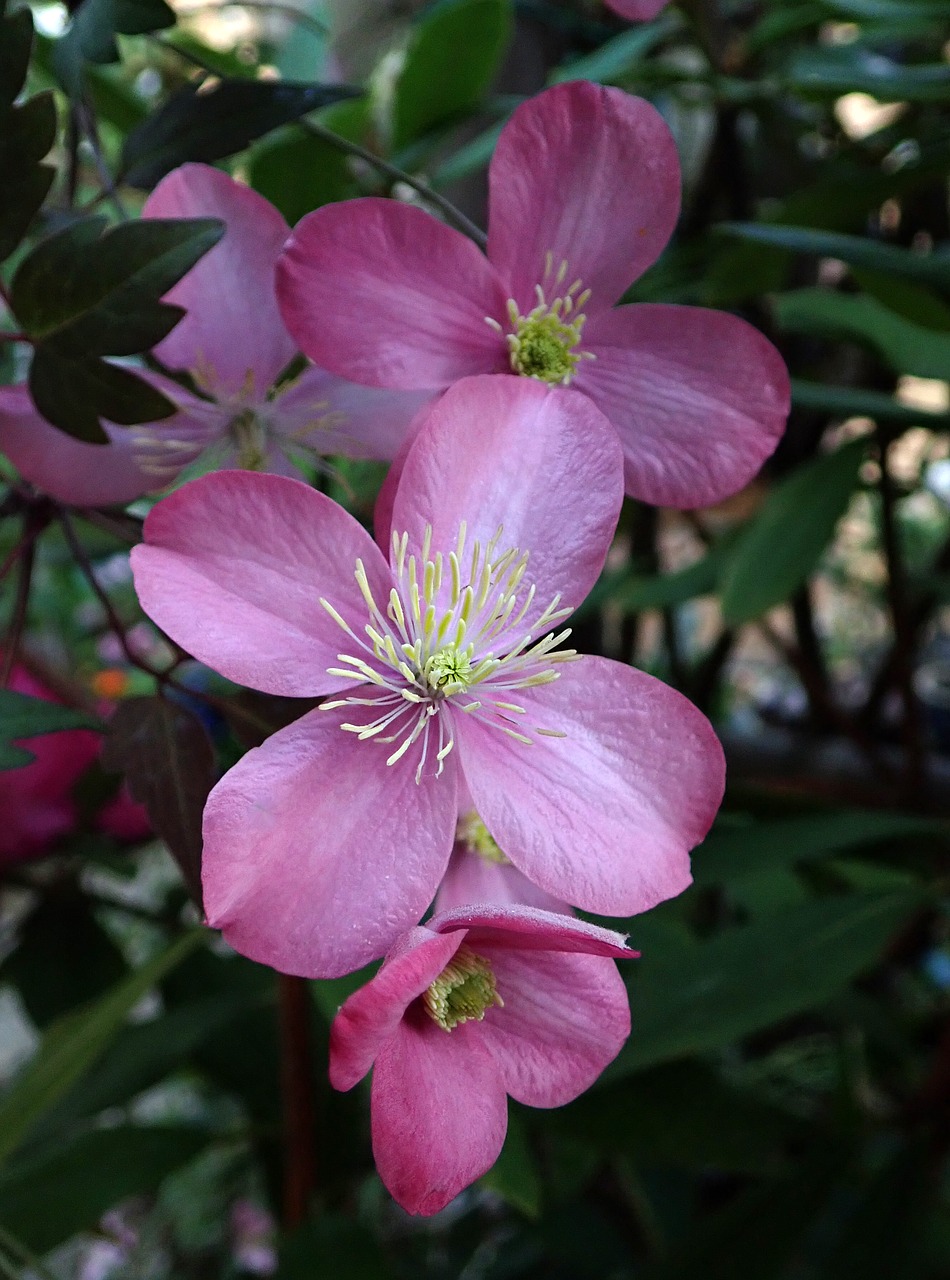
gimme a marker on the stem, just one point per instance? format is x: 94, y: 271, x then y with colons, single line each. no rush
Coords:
x: 13, y: 337
x: 297, y: 1093
x: 454, y: 214
x: 20, y: 605
x: 904, y: 638
x: 78, y: 552
x: 12, y: 1245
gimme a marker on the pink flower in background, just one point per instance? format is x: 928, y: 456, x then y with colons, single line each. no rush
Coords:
x: 583, y: 196
x: 637, y: 10
x: 136, y: 460
x: 234, y: 345
x: 36, y: 799
x: 328, y: 841
x: 477, y: 1004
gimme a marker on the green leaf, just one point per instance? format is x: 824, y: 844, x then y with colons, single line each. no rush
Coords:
x: 828, y: 72
x: 912, y: 301
x: 783, y: 543
x: 51, y: 1197
x: 92, y: 32
x: 449, y: 66
x: 855, y: 402
x: 617, y: 57
x: 97, y: 291
x: 707, y: 995
x: 23, y: 717
x: 929, y: 268
x: 298, y: 172
x: 329, y: 1248
x: 905, y: 347
x: 681, y: 1115
x: 73, y: 1044
x: 515, y: 1176
x: 16, y: 43
x: 74, y: 393
x: 43, y: 967
x: 730, y: 853
x: 27, y: 133
x: 210, y: 124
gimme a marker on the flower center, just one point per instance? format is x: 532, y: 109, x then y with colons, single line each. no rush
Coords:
x: 542, y: 343
x: 452, y: 634
x: 249, y: 437
x: 472, y: 832
x: 463, y: 991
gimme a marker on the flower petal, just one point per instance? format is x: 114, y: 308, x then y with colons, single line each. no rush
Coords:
x: 605, y: 816
x: 439, y: 1112
x: 385, y: 294
x: 371, y: 1015
x: 699, y: 397
x: 565, y: 1017
x: 328, y: 415
x: 233, y: 568
x: 637, y: 10
x: 512, y: 452
x: 590, y: 176
x: 472, y: 878
x: 317, y: 856
x: 518, y: 927
x: 233, y: 328
x: 70, y: 470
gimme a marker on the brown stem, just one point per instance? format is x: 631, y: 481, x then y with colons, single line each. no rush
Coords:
x: 904, y: 639
x: 297, y: 1093
x: 20, y: 606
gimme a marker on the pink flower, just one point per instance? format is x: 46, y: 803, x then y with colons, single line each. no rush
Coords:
x: 37, y: 801
x: 584, y: 194
x: 136, y: 460
x: 637, y: 10
x: 328, y: 841
x: 473, y: 1006
x: 233, y: 343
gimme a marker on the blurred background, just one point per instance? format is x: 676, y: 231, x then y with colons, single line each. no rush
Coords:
x: 782, y: 1108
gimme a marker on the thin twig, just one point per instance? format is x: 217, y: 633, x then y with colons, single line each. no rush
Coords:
x: 20, y: 605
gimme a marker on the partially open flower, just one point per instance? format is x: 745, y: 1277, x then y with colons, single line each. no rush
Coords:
x: 479, y: 1003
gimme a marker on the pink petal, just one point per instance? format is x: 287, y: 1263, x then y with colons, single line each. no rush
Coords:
x: 589, y: 175
x: 317, y: 856
x: 233, y: 328
x: 565, y: 1017
x: 604, y: 817
x: 514, y: 453
x: 699, y: 397
x: 439, y: 1112
x: 526, y: 928
x: 69, y: 470
x: 329, y: 415
x: 637, y: 10
x: 472, y: 878
x: 233, y: 568
x: 385, y: 294
x: 370, y: 1016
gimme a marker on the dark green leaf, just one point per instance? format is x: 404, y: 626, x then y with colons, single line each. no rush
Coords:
x: 929, y: 268
x: 451, y: 62
x: 92, y: 32
x: 96, y: 291
x: 298, y: 172
x: 74, y: 1043
x: 854, y: 402
x: 784, y: 542
x: 905, y: 347
x: 707, y: 995
x: 829, y: 71
x: 74, y: 393
x: 330, y: 1248
x: 27, y: 133
x: 168, y: 762
x: 51, y: 1197
x: 16, y: 41
x: 214, y: 123
x: 23, y: 717
x: 43, y: 967
x: 515, y: 1175
x: 616, y: 58
x: 914, y: 302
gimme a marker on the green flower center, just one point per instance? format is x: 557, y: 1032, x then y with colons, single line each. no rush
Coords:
x: 449, y: 670
x: 473, y: 833
x: 463, y: 991
x: 543, y: 344
x: 249, y: 436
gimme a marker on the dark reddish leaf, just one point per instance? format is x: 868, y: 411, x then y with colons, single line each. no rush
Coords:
x: 168, y: 762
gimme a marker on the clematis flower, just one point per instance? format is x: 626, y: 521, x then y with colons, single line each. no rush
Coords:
x: 234, y: 345
x: 637, y: 10
x: 477, y: 1004
x: 36, y: 799
x: 583, y: 195
x: 479, y: 871
x: 137, y: 460
x: 441, y: 665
